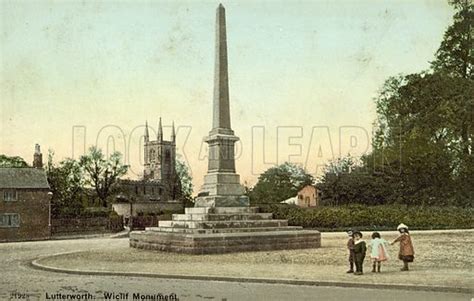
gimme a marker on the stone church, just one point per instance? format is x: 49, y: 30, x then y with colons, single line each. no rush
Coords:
x: 160, y: 156
x: 157, y: 190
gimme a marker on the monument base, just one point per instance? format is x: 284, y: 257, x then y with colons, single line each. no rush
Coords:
x: 211, y: 230
x: 222, y: 201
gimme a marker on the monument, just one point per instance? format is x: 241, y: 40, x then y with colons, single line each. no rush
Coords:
x: 222, y: 220
x: 221, y: 184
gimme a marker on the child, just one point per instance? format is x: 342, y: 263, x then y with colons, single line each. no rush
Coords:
x: 359, y: 252
x: 407, y: 253
x: 350, y: 247
x: 378, y: 251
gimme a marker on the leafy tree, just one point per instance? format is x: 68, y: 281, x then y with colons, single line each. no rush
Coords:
x: 67, y: 185
x: 347, y: 181
x: 455, y: 56
x: 16, y: 162
x: 425, y: 124
x: 279, y: 183
x: 102, y: 173
x: 184, y: 184
x: 422, y: 148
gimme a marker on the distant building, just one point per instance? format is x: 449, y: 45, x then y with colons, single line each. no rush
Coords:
x: 37, y: 157
x: 308, y: 196
x: 25, y: 202
x: 156, y: 191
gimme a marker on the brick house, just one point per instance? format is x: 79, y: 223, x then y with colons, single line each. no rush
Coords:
x: 24, y: 204
x: 308, y: 196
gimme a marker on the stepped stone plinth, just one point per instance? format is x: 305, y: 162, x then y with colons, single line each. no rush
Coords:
x: 221, y: 220
x: 208, y: 230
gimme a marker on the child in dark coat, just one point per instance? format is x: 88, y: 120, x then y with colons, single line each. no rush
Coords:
x: 359, y: 252
x: 407, y: 252
x: 350, y: 247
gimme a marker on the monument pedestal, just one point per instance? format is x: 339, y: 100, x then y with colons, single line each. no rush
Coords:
x: 222, y: 189
x: 211, y: 230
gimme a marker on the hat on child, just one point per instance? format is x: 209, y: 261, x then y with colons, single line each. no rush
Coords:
x: 357, y: 232
x: 402, y: 226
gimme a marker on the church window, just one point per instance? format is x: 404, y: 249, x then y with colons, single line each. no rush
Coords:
x: 152, y: 155
x: 168, y: 155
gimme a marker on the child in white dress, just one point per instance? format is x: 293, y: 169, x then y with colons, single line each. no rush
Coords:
x: 378, y: 251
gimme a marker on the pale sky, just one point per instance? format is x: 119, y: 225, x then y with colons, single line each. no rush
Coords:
x: 307, y: 69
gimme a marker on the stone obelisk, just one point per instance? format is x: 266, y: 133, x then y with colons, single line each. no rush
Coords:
x: 221, y: 220
x: 221, y: 183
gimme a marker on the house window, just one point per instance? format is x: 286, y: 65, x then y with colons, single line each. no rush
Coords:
x: 9, y: 220
x: 10, y: 195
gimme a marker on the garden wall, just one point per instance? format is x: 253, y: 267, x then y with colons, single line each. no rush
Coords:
x: 86, y: 225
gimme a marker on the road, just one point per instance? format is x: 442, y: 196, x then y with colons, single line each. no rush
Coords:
x: 19, y: 281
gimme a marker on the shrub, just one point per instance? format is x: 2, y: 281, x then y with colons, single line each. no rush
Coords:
x: 372, y: 217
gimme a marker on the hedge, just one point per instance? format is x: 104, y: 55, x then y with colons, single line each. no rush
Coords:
x: 383, y: 217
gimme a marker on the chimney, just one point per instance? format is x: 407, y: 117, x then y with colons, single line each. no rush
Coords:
x: 37, y: 157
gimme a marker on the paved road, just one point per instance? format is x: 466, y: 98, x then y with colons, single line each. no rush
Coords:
x: 17, y: 278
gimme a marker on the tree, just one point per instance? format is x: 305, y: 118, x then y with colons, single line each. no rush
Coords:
x: 455, y: 56
x: 279, y: 183
x: 347, y: 181
x: 422, y: 148
x: 16, y: 162
x: 184, y: 184
x: 425, y: 124
x: 67, y: 185
x: 102, y: 173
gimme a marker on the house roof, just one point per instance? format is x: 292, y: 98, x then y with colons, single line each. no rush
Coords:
x: 23, y: 178
x: 291, y: 201
x: 307, y: 187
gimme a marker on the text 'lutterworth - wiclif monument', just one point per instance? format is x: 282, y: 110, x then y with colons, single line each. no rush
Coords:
x: 221, y: 220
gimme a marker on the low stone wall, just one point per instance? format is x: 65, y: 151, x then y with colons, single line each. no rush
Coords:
x: 69, y: 226
x: 146, y: 208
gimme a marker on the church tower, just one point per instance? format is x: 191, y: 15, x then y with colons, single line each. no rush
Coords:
x: 160, y: 158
